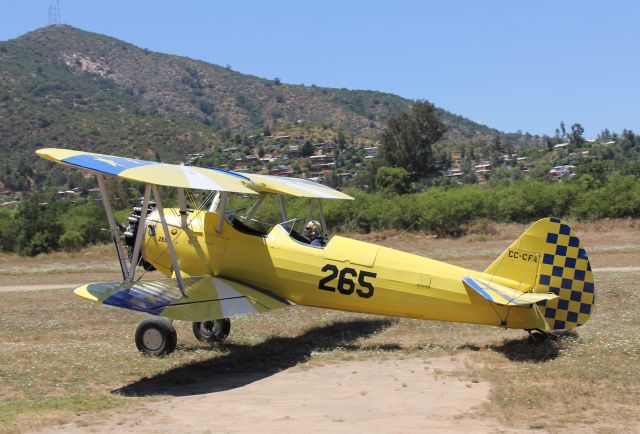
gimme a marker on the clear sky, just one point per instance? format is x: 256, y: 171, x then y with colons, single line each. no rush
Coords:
x: 509, y: 64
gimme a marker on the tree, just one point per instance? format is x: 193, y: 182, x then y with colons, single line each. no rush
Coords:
x: 629, y: 140
x: 605, y: 135
x: 307, y: 149
x: 39, y: 229
x: 407, y: 140
x: 548, y: 143
x: 392, y: 180
x: 341, y: 140
x: 71, y: 240
x: 576, y: 138
x: 8, y: 232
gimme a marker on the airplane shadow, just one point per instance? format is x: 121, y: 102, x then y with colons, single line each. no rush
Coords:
x: 522, y: 350
x: 244, y: 364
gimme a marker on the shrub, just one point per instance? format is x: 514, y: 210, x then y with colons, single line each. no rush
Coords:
x: 619, y: 197
x: 71, y: 240
x: 392, y: 180
x: 449, y: 212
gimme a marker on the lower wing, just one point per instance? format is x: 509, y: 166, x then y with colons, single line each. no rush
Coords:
x: 207, y: 297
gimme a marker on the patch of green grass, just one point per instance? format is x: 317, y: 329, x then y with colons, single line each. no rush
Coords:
x: 60, y: 269
x: 11, y: 410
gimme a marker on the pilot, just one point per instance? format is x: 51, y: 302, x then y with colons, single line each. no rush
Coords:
x: 313, y: 231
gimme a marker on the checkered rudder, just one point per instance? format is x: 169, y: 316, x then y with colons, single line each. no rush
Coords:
x: 565, y: 271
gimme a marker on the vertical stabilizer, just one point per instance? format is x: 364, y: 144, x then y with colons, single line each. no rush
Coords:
x: 548, y: 257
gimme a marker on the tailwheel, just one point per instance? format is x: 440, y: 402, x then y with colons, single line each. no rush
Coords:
x: 212, y: 331
x: 156, y: 337
x: 537, y: 335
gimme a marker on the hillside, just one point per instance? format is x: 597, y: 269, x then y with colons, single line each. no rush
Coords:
x: 61, y: 86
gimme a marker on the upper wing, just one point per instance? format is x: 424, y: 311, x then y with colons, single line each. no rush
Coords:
x: 173, y: 175
x: 294, y: 187
x: 150, y: 172
x: 207, y: 298
x: 502, y: 295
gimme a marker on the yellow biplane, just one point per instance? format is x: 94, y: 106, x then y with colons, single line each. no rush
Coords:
x: 222, y: 263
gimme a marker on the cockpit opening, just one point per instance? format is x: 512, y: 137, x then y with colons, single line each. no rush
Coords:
x: 259, y: 216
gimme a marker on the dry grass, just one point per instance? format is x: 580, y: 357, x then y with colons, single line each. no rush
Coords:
x: 60, y: 355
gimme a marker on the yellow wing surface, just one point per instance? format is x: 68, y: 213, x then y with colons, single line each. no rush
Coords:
x: 207, y: 298
x: 294, y: 187
x: 150, y: 172
x: 173, y: 175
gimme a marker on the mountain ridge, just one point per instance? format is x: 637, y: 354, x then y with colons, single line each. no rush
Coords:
x: 65, y: 87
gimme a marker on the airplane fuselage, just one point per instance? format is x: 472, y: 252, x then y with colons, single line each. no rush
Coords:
x: 346, y: 274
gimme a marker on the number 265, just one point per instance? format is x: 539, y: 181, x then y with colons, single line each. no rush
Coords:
x: 346, y: 285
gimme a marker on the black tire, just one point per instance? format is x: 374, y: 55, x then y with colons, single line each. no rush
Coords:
x: 156, y: 337
x: 536, y: 337
x: 212, y: 331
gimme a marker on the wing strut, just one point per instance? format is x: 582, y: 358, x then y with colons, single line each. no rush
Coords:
x: 112, y: 225
x: 254, y: 208
x: 223, y: 210
x: 214, y: 202
x: 283, y: 209
x: 317, y: 203
x: 183, y: 208
x: 167, y: 235
x: 141, y: 231
x: 323, y: 222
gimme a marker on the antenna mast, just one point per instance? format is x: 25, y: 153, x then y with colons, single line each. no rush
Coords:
x: 54, y: 14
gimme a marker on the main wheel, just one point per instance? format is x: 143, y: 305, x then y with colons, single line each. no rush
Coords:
x: 156, y: 337
x: 212, y: 331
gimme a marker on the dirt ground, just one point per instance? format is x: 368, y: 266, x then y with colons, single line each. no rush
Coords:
x: 408, y: 396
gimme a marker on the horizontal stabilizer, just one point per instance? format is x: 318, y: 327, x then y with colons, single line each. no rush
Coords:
x: 503, y: 295
x: 207, y: 297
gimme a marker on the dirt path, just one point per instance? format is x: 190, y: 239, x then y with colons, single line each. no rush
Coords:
x: 408, y: 396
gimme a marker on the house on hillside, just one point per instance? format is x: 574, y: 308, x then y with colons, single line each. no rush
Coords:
x: 294, y: 150
x: 453, y: 173
x: 251, y: 159
x: 370, y: 152
x: 281, y: 170
x: 482, y: 171
x: 559, y: 172
x: 321, y: 161
x: 561, y: 147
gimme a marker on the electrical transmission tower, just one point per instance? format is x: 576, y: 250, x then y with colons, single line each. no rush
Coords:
x: 54, y: 14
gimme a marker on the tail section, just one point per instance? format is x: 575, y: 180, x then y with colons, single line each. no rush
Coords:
x: 548, y: 257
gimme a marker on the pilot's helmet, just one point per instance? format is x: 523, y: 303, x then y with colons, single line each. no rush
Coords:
x: 313, y: 229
